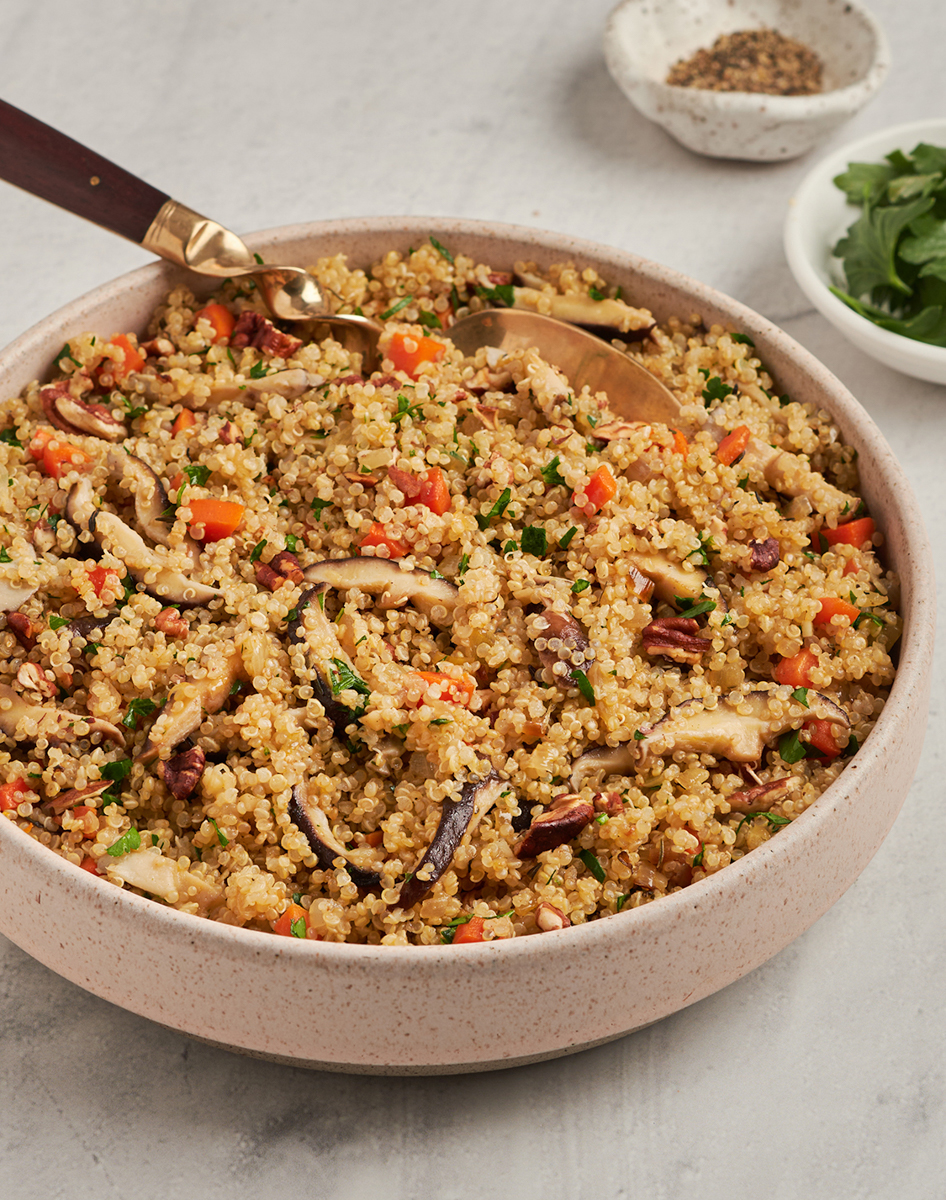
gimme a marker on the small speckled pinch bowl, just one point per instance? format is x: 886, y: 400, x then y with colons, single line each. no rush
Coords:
x: 444, y: 1009
x: 644, y: 38
x: 819, y: 214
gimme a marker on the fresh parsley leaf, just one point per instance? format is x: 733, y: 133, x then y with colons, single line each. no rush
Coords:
x: 9, y: 437
x: 441, y: 721
x: 551, y: 474
x: 593, y: 864
x: 704, y: 550
x: 221, y: 838
x: 57, y: 622
x: 509, y: 547
x: 406, y: 409
x: 464, y: 565
x: 565, y: 540
x: 66, y: 352
x: 584, y: 686
x: 4, y: 556
x: 297, y: 927
x: 869, y: 249
x: 429, y: 320
x: 496, y: 511
x: 292, y: 542
x: 503, y: 294
x: 595, y: 294
x: 345, y: 679
x: 790, y: 747
x: 698, y: 858
x: 580, y: 585
x: 116, y: 771
x: 535, y: 541
x: 259, y: 370
x: 743, y: 339
x: 716, y: 390
x: 127, y: 842
x: 257, y: 551
x: 258, y: 258
x: 775, y: 820
x: 441, y: 249
x: 139, y: 707
x: 319, y: 506
x: 396, y: 308
x: 132, y: 410
x: 197, y: 474
x: 801, y: 695
x: 638, y: 736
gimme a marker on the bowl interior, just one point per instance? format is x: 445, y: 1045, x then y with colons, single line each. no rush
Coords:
x: 657, y: 33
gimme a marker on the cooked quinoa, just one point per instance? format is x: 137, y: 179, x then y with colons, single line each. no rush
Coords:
x: 565, y: 664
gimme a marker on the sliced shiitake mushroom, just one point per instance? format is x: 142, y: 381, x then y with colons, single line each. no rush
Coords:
x: 311, y: 821
x: 435, y: 598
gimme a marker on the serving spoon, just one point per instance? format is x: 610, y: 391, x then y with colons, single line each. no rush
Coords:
x: 54, y: 167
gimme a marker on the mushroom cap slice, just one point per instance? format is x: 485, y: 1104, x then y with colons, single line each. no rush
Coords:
x: 310, y: 820
x: 151, y: 871
x: 151, y: 500
x: 22, y: 721
x: 114, y: 535
x: 737, y: 728
x: 457, y: 816
x: 188, y: 703
x: 310, y: 628
x: 12, y: 596
x: 435, y: 598
x: 670, y: 579
x: 619, y: 760
x: 290, y: 384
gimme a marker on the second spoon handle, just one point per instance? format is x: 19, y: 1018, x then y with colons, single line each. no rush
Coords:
x: 45, y: 162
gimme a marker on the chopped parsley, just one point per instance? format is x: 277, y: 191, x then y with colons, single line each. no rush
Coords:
x: 704, y: 550
x: 396, y: 308
x: 344, y: 679
x: 449, y: 931
x: 259, y: 370
x: 9, y: 437
x: 127, y: 842
x: 801, y: 695
x: 66, y: 352
x: 139, y: 707
x: 406, y: 409
x: 550, y: 473
x: 4, y: 556
x: 319, y: 506
x: 595, y: 294
x: 429, y: 320
x: 565, y: 540
x: 503, y: 293
x: 790, y: 747
x: 593, y: 864
x: 58, y: 622
x: 221, y: 838
x: 258, y: 258
x: 441, y: 249
x: 535, y: 541
x: 497, y: 510
x: 584, y: 686
x: 698, y: 858
x: 441, y: 721
x: 695, y: 610
x: 580, y: 585
x: 297, y: 927
x: 197, y: 473
x: 743, y: 339
x: 257, y: 551
x: 132, y: 410
x: 716, y: 390
x: 464, y: 565
x: 292, y: 542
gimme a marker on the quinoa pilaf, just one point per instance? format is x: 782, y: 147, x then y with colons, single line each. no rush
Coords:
x: 445, y: 653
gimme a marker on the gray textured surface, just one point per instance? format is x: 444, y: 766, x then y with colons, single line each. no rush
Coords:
x: 818, y: 1077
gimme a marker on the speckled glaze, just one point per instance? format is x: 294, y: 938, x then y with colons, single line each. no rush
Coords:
x: 818, y: 215
x: 392, y: 1010
x: 644, y: 38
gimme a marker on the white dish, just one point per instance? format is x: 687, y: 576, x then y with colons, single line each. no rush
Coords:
x: 819, y: 214
x: 644, y: 38
x: 408, y: 1010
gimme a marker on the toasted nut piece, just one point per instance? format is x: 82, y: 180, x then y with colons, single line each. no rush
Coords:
x: 156, y: 347
x: 75, y: 796
x: 608, y: 802
x: 760, y: 798
x: 170, y: 622
x: 548, y: 917
x: 72, y: 415
x: 24, y: 629
x: 253, y: 329
x: 229, y: 433
x: 763, y: 556
x: 676, y: 638
x: 286, y: 564
x: 367, y: 480
x: 405, y: 482
x: 182, y: 772
x: 35, y: 679
x: 487, y: 415
x: 268, y: 578
x: 44, y: 539
x: 566, y: 818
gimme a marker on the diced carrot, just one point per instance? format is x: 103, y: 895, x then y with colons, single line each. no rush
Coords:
x: 184, y: 420
x: 293, y: 914
x: 408, y: 351
x: 680, y: 444
x: 834, y: 606
x: 11, y: 794
x: 133, y: 360
x: 820, y: 734
x: 219, y: 517
x: 796, y: 671
x: 80, y: 810
x: 60, y: 457
x: 434, y: 493
x: 88, y: 864
x: 377, y: 536
x: 220, y: 317
x: 733, y: 444
x: 99, y: 577
x: 40, y: 439
x: 471, y: 931
x: 375, y: 838
x: 457, y: 691
x: 852, y: 566
x: 600, y: 488
x: 854, y: 533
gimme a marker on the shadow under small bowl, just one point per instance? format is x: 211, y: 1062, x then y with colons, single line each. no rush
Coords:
x: 645, y: 38
x: 819, y: 214
x: 443, y: 1009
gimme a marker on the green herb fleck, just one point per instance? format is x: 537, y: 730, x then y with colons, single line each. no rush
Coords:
x: 698, y: 858
x: 257, y: 551
x: 441, y: 721
x: 743, y: 339
x: 319, y: 506
x: 9, y: 437
x: 584, y: 686
x: 580, y: 585
x: 259, y: 370
x: 292, y: 542
x: 139, y: 707
x: 550, y: 473
x: 66, y: 352
x: 595, y: 294
x: 716, y: 390
x: 57, y: 622
x: 127, y: 842
x: 406, y: 409
x: 197, y: 473
x: 221, y: 838
x: 464, y: 565
x: 345, y: 679
x: 4, y: 556
x: 565, y: 540
x: 593, y: 864
x: 801, y: 695
x: 601, y: 819
x: 503, y: 293
x: 790, y: 747
x: 258, y: 258
x: 429, y: 320
x: 441, y: 249
x: 535, y: 541
x: 704, y: 550
x: 639, y: 737
x: 297, y: 927
x: 496, y: 511
x: 695, y: 610
x: 396, y: 308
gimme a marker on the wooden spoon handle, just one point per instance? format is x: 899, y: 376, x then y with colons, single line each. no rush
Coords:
x: 41, y: 160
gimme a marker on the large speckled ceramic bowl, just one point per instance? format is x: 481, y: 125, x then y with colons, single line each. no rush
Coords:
x: 474, y: 1007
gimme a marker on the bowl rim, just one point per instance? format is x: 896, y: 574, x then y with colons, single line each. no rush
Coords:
x: 917, y: 640
x: 844, y: 99
x: 809, y: 277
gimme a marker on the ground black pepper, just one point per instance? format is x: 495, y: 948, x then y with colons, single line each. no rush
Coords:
x: 752, y: 60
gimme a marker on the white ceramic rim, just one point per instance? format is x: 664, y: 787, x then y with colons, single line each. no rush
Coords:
x: 811, y: 280
x: 783, y: 108
x: 917, y: 646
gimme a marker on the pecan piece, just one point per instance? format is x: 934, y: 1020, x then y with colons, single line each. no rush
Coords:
x: 170, y: 622
x: 24, y: 629
x: 32, y: 677
x: 356, y: 477
x: 72, y: 415
x: 228, y: 433
x: 75, y: 796
x: 760, y: 798
x: 157, y: 347
x: 182, y: 773
x: 253, y: 329
x: 676, y: 638
x: 548, y: 918
x: 565, y: 818
x: 763, y: 556
x: 268, y: 578
x: 405, y: 482
x: 286, y: 564
x: 608, y: 802
x: 344, y: 379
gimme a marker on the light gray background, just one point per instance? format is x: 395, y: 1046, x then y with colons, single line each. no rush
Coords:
x: 821, y: 1075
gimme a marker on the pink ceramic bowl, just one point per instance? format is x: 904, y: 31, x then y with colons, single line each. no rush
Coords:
x: 475, y: 1007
